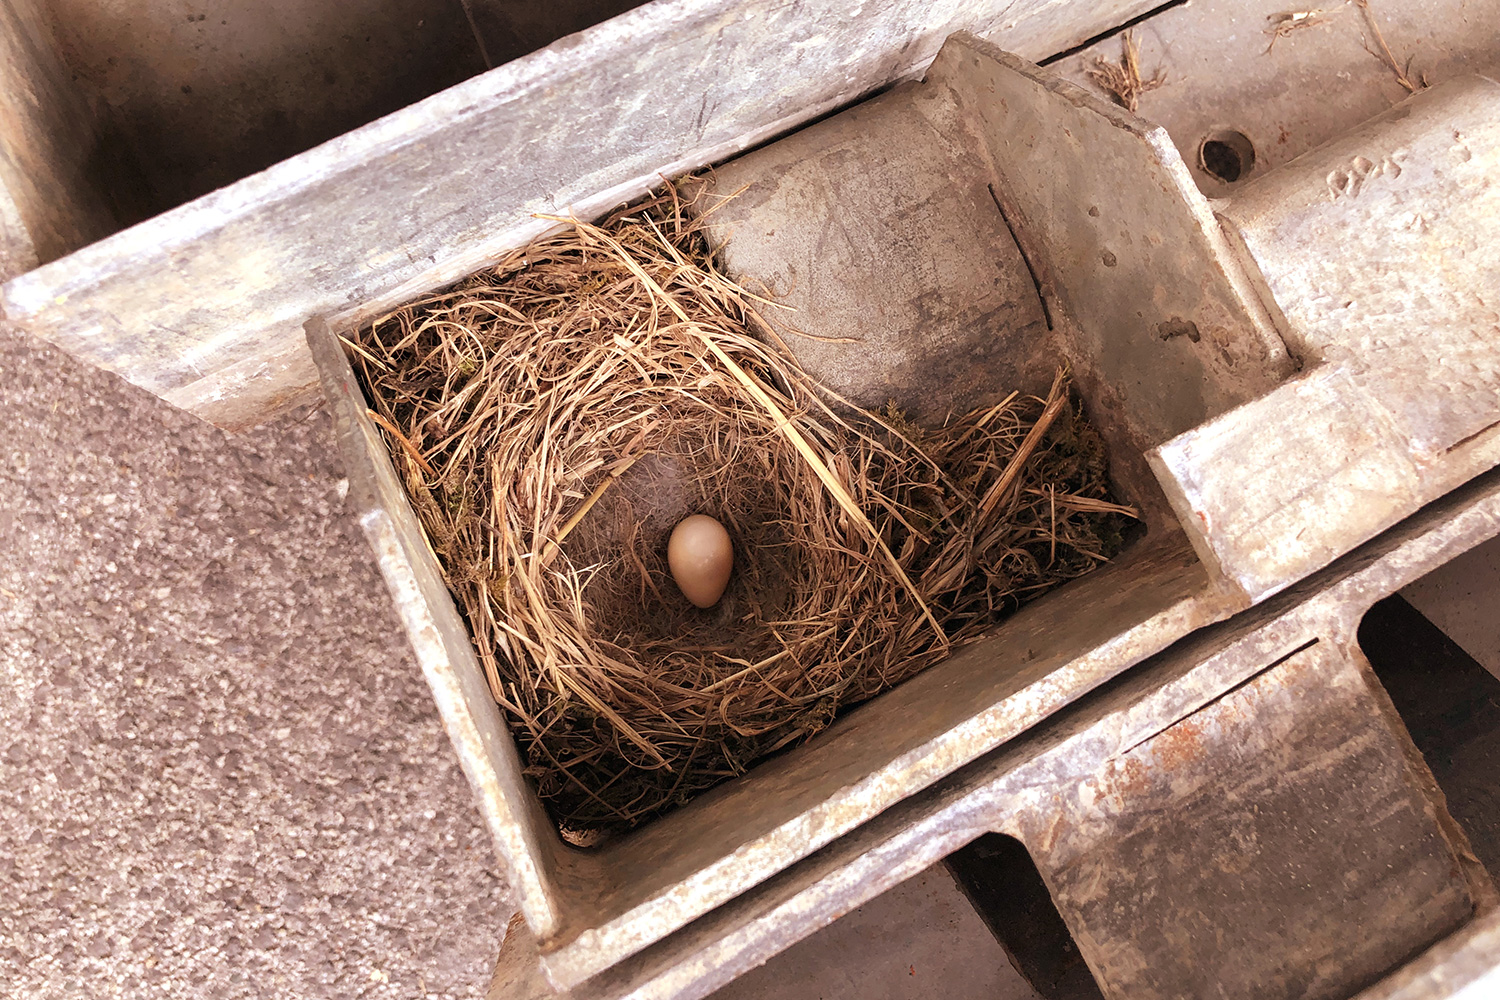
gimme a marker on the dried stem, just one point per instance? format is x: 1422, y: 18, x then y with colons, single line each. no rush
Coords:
x: 1402, y: 71
x: 1122, y: 80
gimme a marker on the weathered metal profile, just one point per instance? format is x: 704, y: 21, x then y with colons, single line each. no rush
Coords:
x: 204, y: 305
x: 1381, y: 252
x: 641, y: 913
x: 1465, y: 966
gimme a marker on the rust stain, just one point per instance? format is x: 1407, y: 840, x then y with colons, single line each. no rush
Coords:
x: 1134, y: 773
x: 1180, y: 747
x: 1185, y: 745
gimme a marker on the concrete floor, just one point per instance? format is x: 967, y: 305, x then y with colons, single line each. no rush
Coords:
x: 918, y: 941
x: 220, y: 769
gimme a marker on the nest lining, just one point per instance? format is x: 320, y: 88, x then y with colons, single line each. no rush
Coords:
x: 553, y: 417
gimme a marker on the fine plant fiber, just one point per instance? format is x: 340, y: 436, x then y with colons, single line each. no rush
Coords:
x: 552, y: 419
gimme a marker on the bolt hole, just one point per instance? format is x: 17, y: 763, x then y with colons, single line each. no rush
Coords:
x: 1226, y: 155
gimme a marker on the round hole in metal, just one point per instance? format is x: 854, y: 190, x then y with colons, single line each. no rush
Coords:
x: 1226, y: 155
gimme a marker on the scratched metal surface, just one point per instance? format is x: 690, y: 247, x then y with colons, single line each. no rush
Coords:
x: 204, y: 304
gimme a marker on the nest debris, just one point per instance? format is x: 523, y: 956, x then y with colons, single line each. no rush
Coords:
x: 554, y: 416
x: 1122, y: 80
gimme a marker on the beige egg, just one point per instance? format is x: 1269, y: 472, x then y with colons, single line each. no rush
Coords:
x: 700, y: 556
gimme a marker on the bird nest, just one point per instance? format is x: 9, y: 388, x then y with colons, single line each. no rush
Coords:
x: 554, y: 417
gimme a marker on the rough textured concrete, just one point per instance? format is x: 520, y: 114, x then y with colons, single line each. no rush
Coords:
x: 220, y: 771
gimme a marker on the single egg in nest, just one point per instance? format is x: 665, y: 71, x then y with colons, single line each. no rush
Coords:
x: 700, y: 557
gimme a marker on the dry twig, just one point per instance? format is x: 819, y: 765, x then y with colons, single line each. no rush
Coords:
x: 1122, y: 80
x: 1402, y: 71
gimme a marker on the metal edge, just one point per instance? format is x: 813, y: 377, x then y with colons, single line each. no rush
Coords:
x: 440, y: 641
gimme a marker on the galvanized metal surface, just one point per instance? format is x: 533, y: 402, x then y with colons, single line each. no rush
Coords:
x: 1412, y: 202
x: 1027, y: 787
x: 879, y: 226
x: 1223, y: 69
x: 203, y: 305
x: 1223, y: 856
x: 615, y: 902
x: 895, y: 224
x: 592, y: 911
x: 523, y: 836
x: 1465, y: 966
x: 1380, y: 251
x: 1160, y: 312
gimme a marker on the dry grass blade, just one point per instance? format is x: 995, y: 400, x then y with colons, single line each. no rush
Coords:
x: 561, y: 413
x: 403, y: 440
x: 555, y: 545
x: 1057, y: 398
x: 1287, y: 23
x: 1123, y: 81
x: 1402, y: 71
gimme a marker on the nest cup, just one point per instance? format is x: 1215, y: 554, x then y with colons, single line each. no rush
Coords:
x: 555, y: 417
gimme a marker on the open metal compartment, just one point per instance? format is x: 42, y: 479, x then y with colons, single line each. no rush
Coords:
x: 591, y: 909
x: 203, y: 304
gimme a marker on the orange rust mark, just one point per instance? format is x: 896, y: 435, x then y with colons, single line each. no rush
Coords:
x: 1185, y: 744
x: 1133, y: 775
x: 1180, y: 747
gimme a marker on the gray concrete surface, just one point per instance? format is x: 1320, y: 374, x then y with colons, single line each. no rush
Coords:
x: 220, y: 771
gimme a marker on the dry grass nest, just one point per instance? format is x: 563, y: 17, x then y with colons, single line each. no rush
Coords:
x: 553, y: 418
